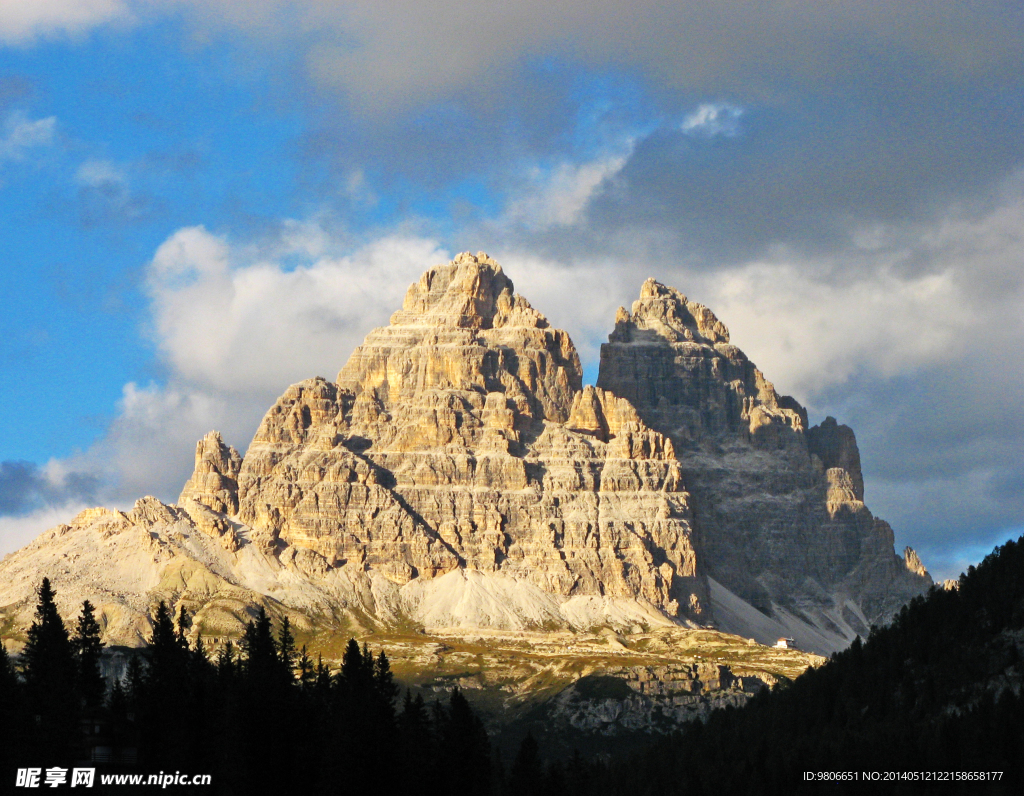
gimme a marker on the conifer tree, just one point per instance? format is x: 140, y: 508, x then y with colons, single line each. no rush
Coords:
x: 12, y: 714
x: 184, y: 624
x: 134, y: 682
x: 384, y: 680
x: 47, y: 660
x: 261, y: 654
x: 48, y: 665
x: 163, y: 637
x: 416, y: 742
x: 286, y: 646
x: 87, y: 646
x: 465, y: 748
x: 527, y: 773
x: 226, y: 660
x: 307, y: 674
x: 322, y: 679
x: 8, y: 678
x: 168, y: 659
x: 355, y: 674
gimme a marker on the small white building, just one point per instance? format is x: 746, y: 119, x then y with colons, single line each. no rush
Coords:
x: 785, y: 644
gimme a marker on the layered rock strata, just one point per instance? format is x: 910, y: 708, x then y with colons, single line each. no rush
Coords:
x: 778, y: 506
x: 458, y: 474
x: 459, y: 437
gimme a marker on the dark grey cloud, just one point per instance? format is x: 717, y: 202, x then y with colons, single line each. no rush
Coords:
x: 940, y: 446
x: 25, y: 488
x: 808, y: 174
x: 852, y: 114
x: 406, y: 54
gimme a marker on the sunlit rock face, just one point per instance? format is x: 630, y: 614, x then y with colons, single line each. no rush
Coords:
x: 459, y: 437
x: 214, y: 481
x: 778, y: 506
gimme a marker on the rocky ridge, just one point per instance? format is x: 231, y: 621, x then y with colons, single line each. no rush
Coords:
x: 778, y: 505
x: 458, y: 475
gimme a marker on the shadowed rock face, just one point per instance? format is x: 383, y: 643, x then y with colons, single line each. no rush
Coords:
x: 778, y: 507
x: 459, y: 436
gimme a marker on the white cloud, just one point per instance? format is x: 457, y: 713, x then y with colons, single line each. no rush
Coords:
x: 148, y: 449
x: 559, y: 196
x: 25, y: 20
x: 22, y: 134
x: 711, y: 119
x: 235, y: 324
x: 16, y: 532
x: 808, y: 333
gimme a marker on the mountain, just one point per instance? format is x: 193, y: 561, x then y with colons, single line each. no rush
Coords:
x: 457, y: 476
x: 779, y: 506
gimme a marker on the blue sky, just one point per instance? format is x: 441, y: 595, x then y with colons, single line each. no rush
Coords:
x: 201, y: 203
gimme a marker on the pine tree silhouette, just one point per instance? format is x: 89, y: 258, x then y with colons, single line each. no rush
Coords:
x: 88, y: 648
x: 48, y: 666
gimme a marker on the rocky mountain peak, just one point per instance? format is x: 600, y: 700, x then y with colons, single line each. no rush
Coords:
x: 779, y: 506
x: 670, y: 357
x: 836, y: 446
x: 459, y: 439
x: 664, y: 312
x: 913, y: 562
x: 470, y: 292
x: 464, y: 330
x: 214, y: 481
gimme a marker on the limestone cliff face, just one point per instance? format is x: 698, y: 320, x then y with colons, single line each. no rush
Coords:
x: 778, y: 506
x: 214, y: 482
x: 459, y: 437
x: 457, y: 474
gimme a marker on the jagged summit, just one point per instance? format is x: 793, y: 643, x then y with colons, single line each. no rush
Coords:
x: 663, y: 312
x: 470, y: 292
x: 672, y: 357
x: 458, y: 437
x: 458, y: 475
x: 463, y: 333
x: 214, y: 481
x: 778, y: 506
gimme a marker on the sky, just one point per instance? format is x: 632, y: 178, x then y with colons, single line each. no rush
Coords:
x: 204, y: 202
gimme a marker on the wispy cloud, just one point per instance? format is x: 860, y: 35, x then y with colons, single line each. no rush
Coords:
x: 99, y: 174
x: 553, y: 197
x: 711, y: 119
x: 104, y: 196
x: 235, y: 324
x: 22, y: 134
